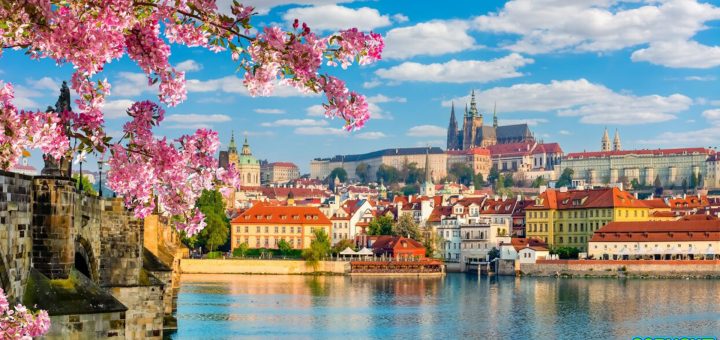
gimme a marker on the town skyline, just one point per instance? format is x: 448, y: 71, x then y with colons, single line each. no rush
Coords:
x: 566, y: 80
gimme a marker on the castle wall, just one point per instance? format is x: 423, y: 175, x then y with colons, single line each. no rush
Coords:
x: 15, y: 231
x: 87, y: 326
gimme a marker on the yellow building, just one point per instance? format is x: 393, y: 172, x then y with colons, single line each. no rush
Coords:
x: 568, y: 218
x: 263, y: 226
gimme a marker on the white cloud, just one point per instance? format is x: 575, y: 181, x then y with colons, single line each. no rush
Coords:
x: 700, y: 78
x: 371, y: 84
x: 456, y: 71
x: 426, y: 131
x: 381, y: 98
x: 194, y: 118
x: 428, y: 38
x: 233, y: 84
x: 23, y: 98
x: 269, y: 111
x: 259, y: 133
x: 131, y: 84
x: 565, y: 132
x: 603, y: 25
x: 712, y: 115
x: 114, y: 109
x: 400, y: 18
x: 191, y: 127
x: 295, y: 122
x: 315, y: 111
x: 370, y: 135
x: 681, y: 54
x: 593, y: 103
x: 45, y: 83
x: 262, y: 7
x: 529, y: 121
x: 189, y: 66
x: 319, y: 131
x: 425, y: 143
x: 333, y: 17
x: 698, y: 138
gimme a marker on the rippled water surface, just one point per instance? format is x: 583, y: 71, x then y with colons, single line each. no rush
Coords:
x: 455, y: 306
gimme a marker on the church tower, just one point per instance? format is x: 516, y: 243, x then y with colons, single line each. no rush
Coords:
x: 472, y: 122
x: 616, y: 143
x: 452, y: 132
x: 605, y: 143
x: 495, y: 124
x: 246, y: 164
x: 428, y: 187
x: 232, y: 151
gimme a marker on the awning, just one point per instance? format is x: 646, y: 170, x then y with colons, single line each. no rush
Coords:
x: 348, y: 251
x: 710, y: 250
x: 365, y: 251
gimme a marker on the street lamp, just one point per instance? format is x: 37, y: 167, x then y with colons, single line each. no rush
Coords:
x: 100, y: 169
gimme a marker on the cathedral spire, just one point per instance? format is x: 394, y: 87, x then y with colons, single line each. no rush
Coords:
x: 428, y: 175
x: 473, y: 105
x: 452, y: 132
x: 232, y: 147
x: 616, y: 143
x: 246, y: 148
x: 605, y: 143
x: 495, y: 124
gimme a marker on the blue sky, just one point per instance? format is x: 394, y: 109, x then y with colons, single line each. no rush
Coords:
x: 569, y: 68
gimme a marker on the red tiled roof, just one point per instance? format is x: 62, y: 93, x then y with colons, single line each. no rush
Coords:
x: 588, y: 198
x: 511, y: 149
x: 499, y: 206
x: 473, y: 151
x: 547, y: 148
x: 657, y: 152
x: 265, y: 214
x: 658, y: 231
x: 284, y: 164
x: 656, y: 203
x: 394, y: 243
x: 520, y: 243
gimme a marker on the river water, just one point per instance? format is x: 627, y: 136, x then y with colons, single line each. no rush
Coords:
x: 454, y: 306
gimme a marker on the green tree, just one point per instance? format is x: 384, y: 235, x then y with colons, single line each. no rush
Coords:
x: 341, y: 245
x: 494, y: 174
x: 539, y: 181
x: 565, y: 179
x: 407, y: 227
x: 241, y: 250
x: 509, y: 181
x: 566, y: 252
x: 500, y: 183
x: 85, y: 184
x: 700, y: 181
x: 381, y: 225
x: 413, y: 174
x: 362, y: 170
x: 635, y: 184
x: 658, y: 186
x: 684, y: 185
x: 478, y: 181
x: 462, y: 172
x: 284, y: 247
x: 319, y: 248
x: 389, y: 174
x: 340, y: 173
x: 216, y: 233
x: 412, y: 189
x: 494, y: 253
x: 693, y: 181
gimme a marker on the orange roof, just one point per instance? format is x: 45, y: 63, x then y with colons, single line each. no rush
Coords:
x: 473, y: 151
x: 656, y: 203
x: 266, y: 214
x: 658, y: 231
x: 520, y: 243
x: 588, y: 198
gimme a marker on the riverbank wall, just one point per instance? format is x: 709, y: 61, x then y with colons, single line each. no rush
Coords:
x: 274, y: 267
x: 623, y: 268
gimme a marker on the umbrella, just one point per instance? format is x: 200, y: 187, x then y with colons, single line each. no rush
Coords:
x: 348, y: 251
x: 365, y: 251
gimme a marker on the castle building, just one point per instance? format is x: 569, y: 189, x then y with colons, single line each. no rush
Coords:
x: 246, y: 164
x: 432, y: 157
x: 279, y: 172
x: 671, y: 167
x: 475, y: 134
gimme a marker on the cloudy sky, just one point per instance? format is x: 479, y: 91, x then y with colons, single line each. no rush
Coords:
x: 569, y: 68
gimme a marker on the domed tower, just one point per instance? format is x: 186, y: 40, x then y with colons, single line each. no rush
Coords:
x: 247, y: 166
x: 605, y: 143
x: 616, y: 143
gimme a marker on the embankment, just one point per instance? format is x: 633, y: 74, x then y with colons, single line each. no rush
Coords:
x: 278, y: 267
x: 627, y: 268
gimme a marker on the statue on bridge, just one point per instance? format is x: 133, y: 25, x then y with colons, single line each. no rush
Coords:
x: 64, y: 168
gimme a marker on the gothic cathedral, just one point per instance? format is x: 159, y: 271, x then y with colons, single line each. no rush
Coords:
x: 474, y: 134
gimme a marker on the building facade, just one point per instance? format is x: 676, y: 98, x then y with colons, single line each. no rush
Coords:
x: 478, y: 159
x: 670, y: 166
x: 320, y: 168
x: 568, y: 218
x: 475, y: 133
x: 278, y: 172
x: 263, y: 226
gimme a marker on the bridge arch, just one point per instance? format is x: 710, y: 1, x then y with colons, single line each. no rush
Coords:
x: 85, y: 260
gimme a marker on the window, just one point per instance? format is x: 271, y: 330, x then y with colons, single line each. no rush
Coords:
x: 283, y: 230
x: 276, y: 229
x: 267, y: 229
x: 246, y: 229
x: 257, y: 229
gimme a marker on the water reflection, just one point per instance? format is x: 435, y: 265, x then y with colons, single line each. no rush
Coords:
x: 226, y: 306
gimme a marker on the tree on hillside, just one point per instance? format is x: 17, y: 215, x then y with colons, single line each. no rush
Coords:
x: 493, y: 175
x: 340, y: 173
x: 362, y: 170
x: 700, y: 181
x: 478, y: 181
x: 693, y: 181
x: 406, y: 227
x: 462, y: 172
x: 509, y: 181
x: 381, y: 225
x: 658, y: 186
x: 539, y: 181
x: 412, y: 189
x: 565, y: 179
x: 85, y: 185
x: 413, y: 174
x: 284, y: 247
x: 388, y: 173
x: 342, y: 245
x: 684, y: 185
x: 319, y: 248
x: 216, y: 233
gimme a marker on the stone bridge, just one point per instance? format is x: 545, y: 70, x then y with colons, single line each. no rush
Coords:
x: 81, y: 258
